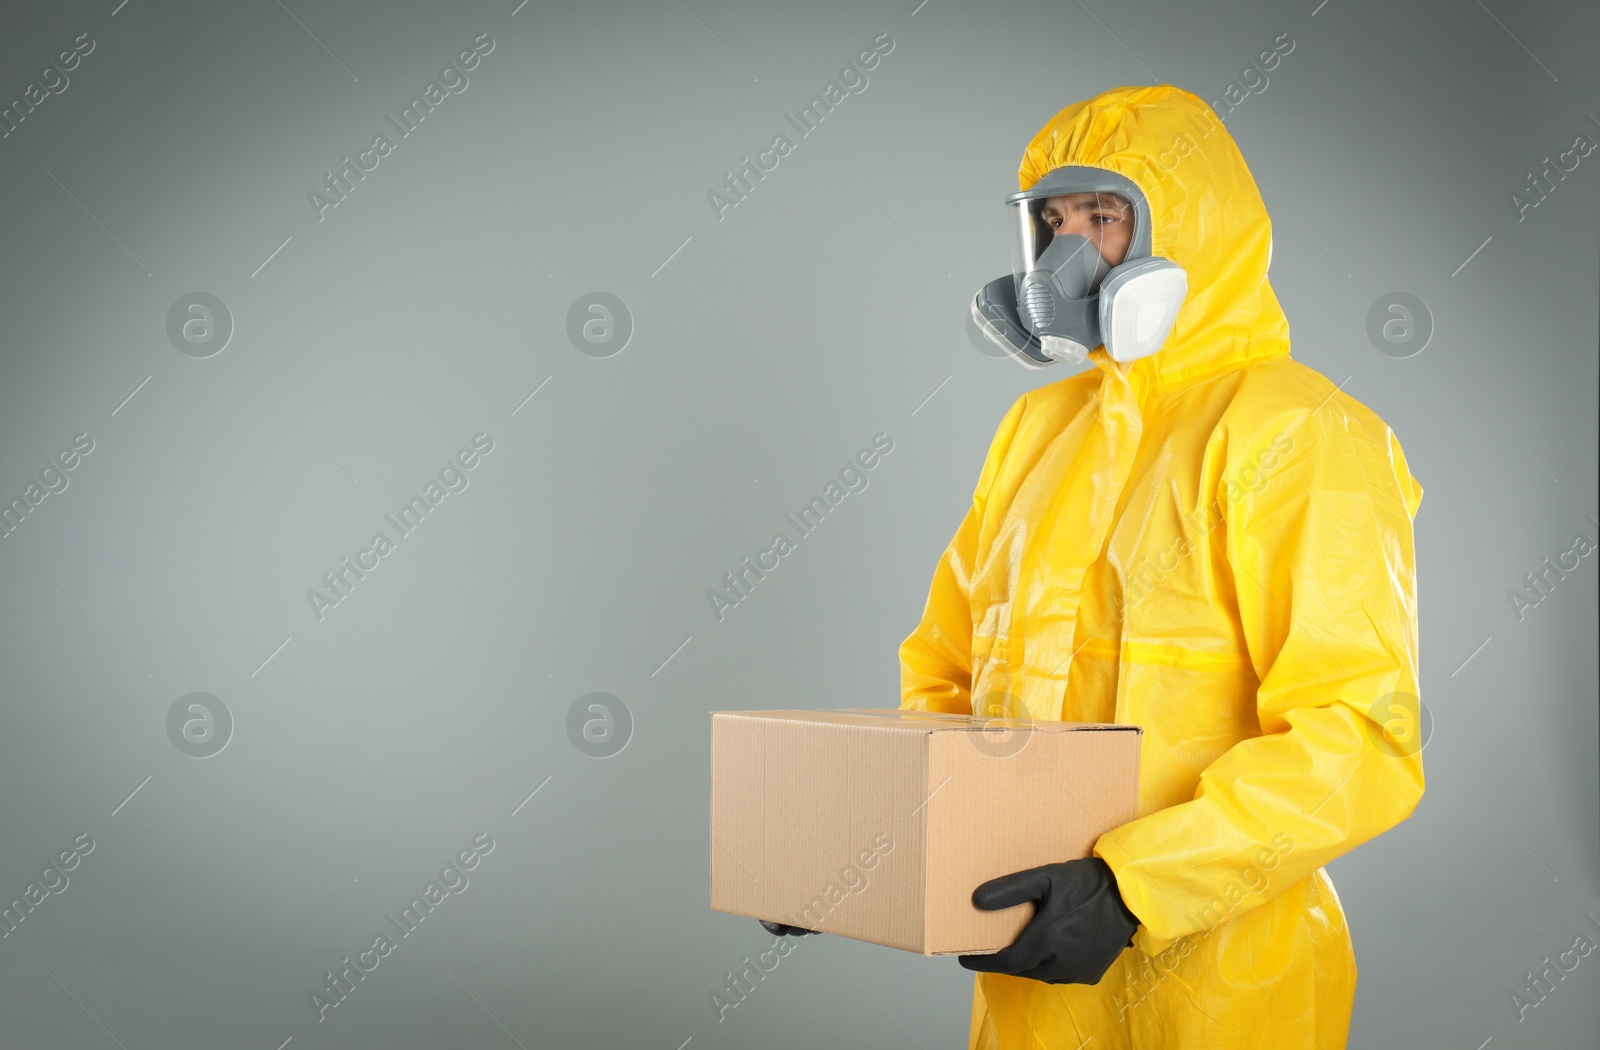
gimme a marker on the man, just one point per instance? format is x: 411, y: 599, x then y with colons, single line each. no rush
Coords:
x: 1200, y: 536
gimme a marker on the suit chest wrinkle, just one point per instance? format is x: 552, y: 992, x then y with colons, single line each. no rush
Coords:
x: 1025, y: 492
x: 1166, y: 537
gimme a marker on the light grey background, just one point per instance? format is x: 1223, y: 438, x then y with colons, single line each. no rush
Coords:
x: 372, y: 745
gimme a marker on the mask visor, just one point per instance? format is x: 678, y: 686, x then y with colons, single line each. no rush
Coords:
x: 1035, y: 222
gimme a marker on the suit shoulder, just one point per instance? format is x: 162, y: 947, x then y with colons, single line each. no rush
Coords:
x: 1282, y: 392
x: 1285, y: 397
x: 1072, y: 394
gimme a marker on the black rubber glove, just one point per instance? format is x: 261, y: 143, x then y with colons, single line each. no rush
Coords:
x: 780, y: 930
x: 1078, y: 929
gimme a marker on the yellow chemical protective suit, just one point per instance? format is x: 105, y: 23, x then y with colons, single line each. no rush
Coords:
x: 1213, y: 543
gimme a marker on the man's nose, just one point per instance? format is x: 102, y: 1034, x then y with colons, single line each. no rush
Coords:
x: 1080, y: 226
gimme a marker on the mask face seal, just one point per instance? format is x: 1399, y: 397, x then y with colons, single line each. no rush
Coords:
x: 1063, y: 298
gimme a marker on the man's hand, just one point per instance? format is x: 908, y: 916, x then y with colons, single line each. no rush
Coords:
x: 780, y: 930
x: 1078, y: 929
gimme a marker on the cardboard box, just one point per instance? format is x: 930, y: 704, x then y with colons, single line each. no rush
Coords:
x: 878, y: 824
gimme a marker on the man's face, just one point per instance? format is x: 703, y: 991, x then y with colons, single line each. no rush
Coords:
x: 1104, y: 219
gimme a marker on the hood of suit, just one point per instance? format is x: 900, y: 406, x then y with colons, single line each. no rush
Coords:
x: 1206, y: 215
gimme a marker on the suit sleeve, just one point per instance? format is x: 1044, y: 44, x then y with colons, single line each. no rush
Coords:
x: 1324, y: 579
x: 936, y: 658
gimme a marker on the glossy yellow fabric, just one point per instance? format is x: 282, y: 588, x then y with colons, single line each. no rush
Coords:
x: 1213, y: 543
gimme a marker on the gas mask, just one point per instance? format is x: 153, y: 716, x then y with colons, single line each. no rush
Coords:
x: 1063, y: 298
